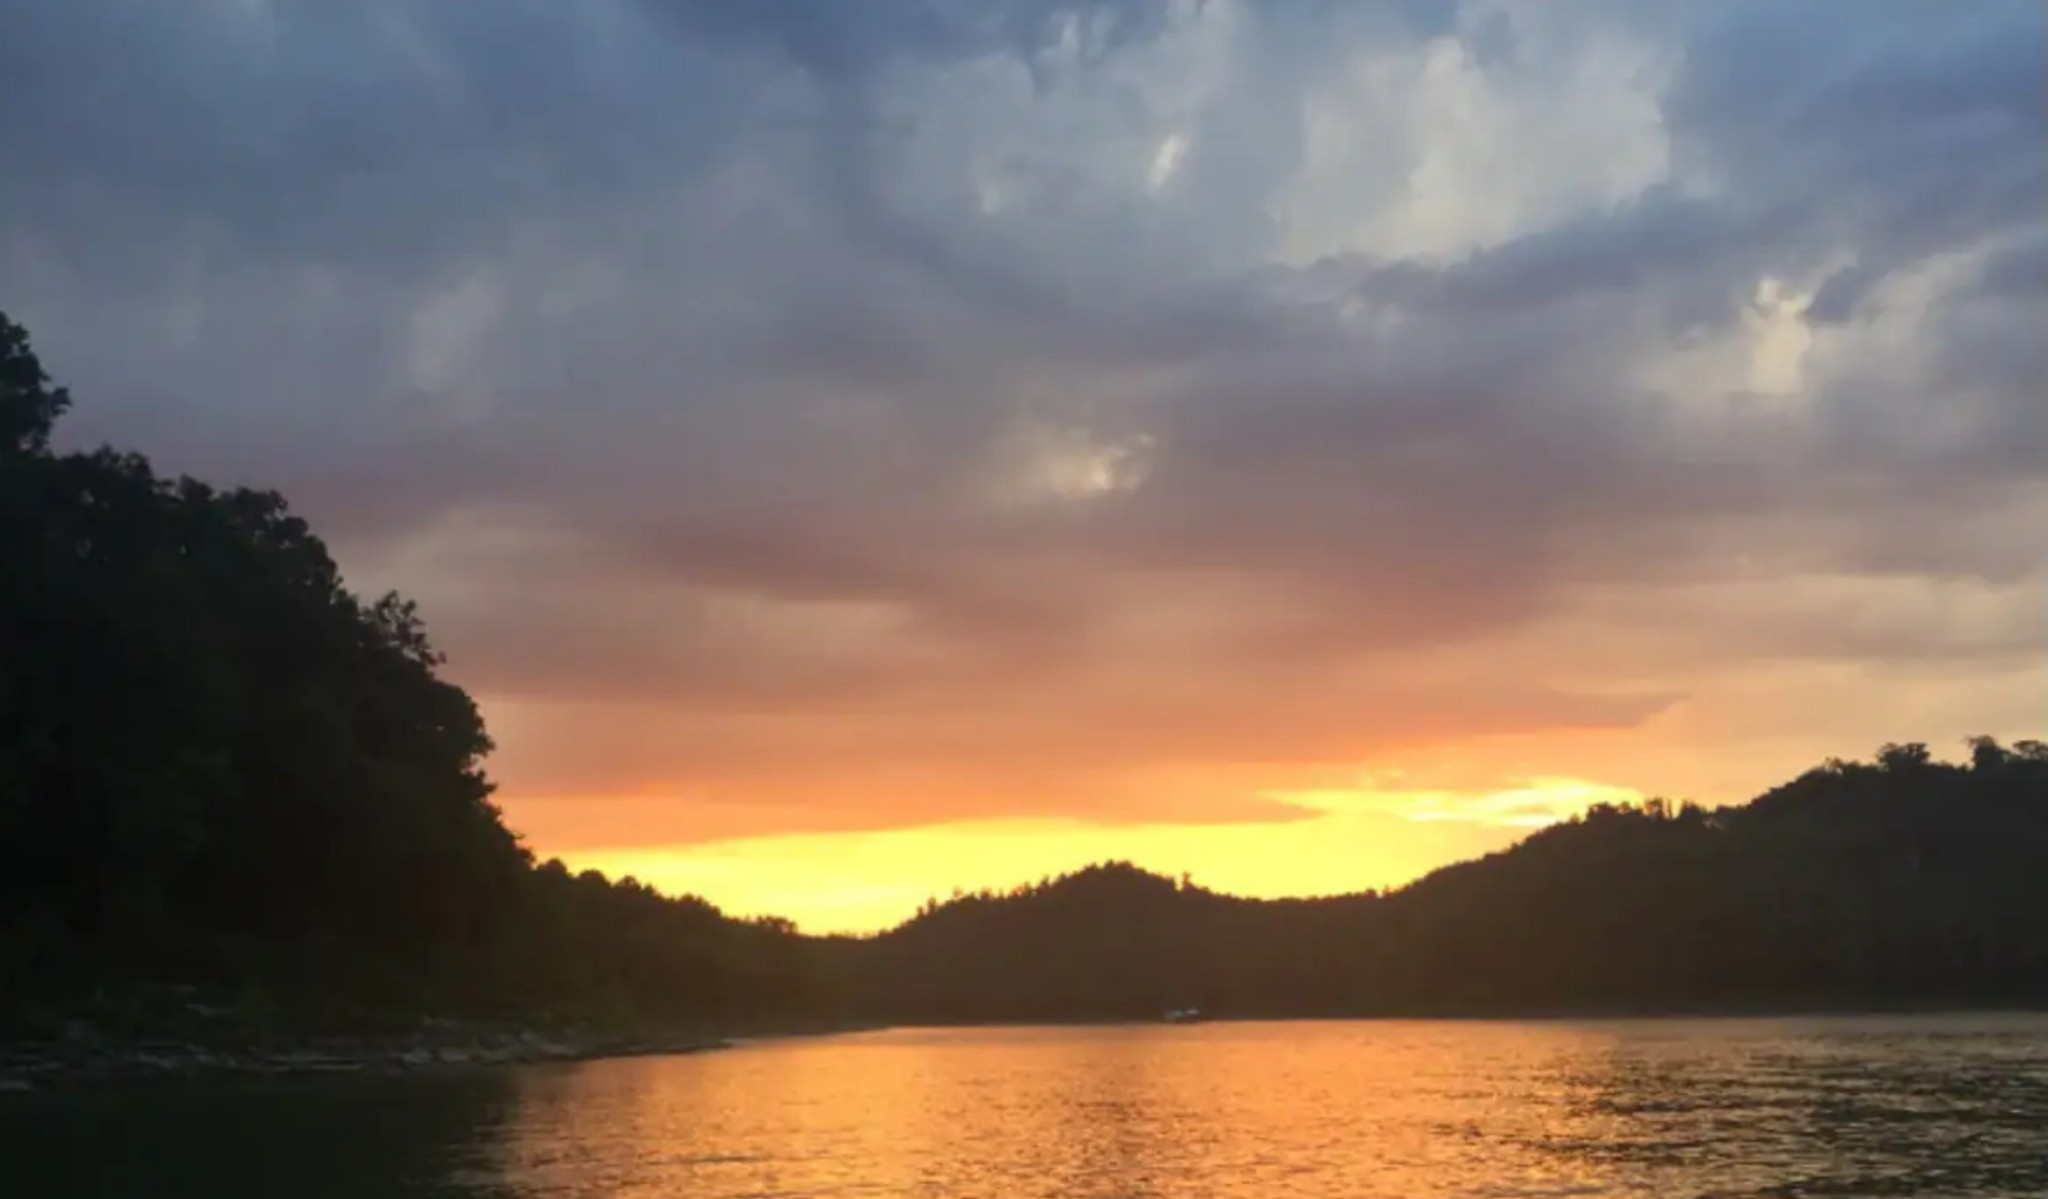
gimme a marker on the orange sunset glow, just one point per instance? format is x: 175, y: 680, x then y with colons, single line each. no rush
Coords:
x: 850, y: 818
x: 857, y: 882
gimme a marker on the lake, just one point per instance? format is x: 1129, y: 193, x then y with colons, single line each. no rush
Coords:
x: 1854, y: 1106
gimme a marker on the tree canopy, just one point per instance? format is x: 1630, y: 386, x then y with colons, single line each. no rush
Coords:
x: 220, y: 765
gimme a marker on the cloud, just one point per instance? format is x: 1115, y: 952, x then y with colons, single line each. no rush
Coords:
x: 934, y: 409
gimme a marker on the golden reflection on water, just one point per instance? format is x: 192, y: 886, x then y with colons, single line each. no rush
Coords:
x: 1254, y: 1111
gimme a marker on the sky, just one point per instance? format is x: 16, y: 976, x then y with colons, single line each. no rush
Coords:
x: 855, y: 451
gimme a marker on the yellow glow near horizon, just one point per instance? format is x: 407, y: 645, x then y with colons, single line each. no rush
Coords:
x: 1532, y: 805
x: 858, y: 882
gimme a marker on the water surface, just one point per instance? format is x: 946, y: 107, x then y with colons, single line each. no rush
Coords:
x: 1934, y: 1106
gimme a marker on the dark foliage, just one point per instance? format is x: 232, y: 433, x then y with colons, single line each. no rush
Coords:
x: 1904, y: 881
x: 219, y: 766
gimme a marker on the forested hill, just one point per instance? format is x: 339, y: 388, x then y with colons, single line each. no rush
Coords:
x: 221, y: 769
x: 1902, y: 881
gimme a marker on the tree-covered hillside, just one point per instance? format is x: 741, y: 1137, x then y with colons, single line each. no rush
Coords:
x: 220, y: 767
x: 1901, y: 881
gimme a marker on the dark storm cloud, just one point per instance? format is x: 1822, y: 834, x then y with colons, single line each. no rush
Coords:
x: 1054, y: 378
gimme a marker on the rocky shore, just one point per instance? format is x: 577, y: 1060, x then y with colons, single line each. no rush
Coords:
x: 85, y: 1056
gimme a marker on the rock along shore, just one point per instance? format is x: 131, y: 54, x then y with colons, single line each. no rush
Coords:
x: 85, y: 1057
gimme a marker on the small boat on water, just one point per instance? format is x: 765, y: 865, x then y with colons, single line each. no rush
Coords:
x: 1182, y: 1015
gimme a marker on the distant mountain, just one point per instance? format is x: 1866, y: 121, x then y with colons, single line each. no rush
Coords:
x: 1902, y: 881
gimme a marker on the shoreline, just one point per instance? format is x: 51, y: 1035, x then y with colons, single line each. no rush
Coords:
x: 2023, y: 1006
x: 85, y: 1061
x: 35, y: 1067
x: 78, y: 1054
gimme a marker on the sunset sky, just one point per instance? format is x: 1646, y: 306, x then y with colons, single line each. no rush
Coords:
x: 857, y: 450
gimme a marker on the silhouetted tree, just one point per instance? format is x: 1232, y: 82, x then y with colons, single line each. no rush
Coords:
x: 29, y: 406
x: 218, y: 765
x: 1899, y: 758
